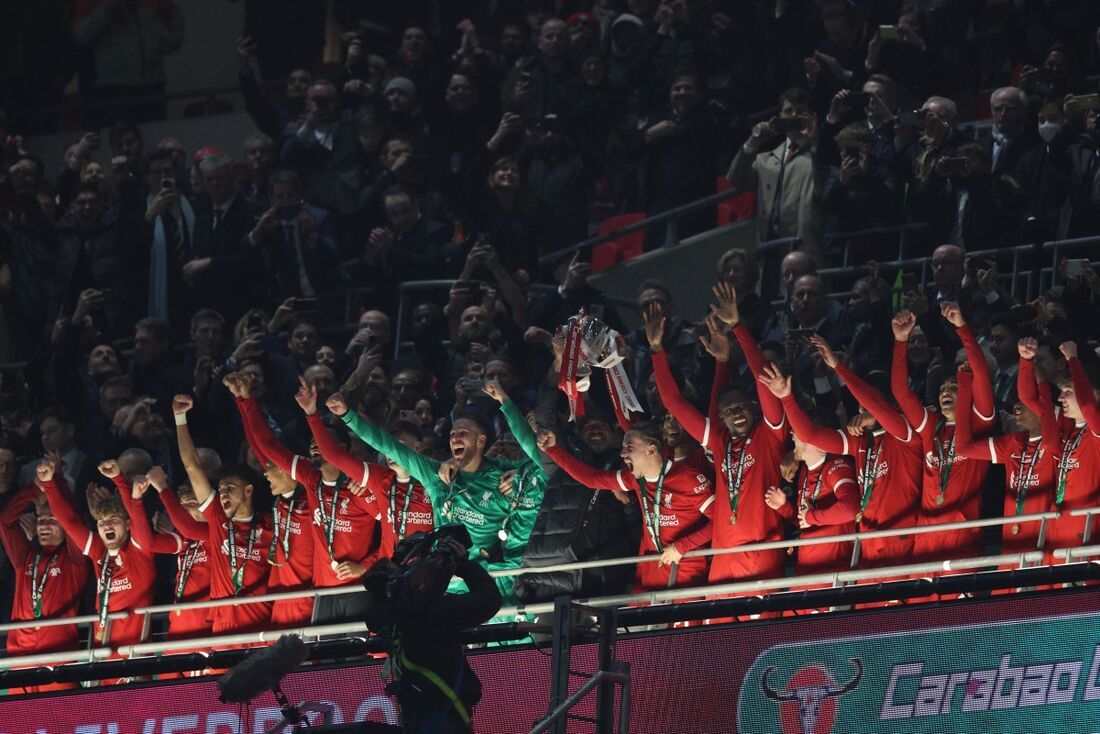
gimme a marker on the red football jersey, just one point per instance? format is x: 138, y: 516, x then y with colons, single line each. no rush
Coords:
x: 343, y: 523
x: 53, y: 576
x: 829, y: 492
x: 680, y: 515
x: 125, y: 579
x: 239, y: 567
x: 756, y: 458
x: 404, y: 507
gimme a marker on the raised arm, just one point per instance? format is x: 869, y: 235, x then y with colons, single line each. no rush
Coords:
x: 51, y: 483
x: 589, y: 476
x: 870, y: 398
x: 727, y: 311
x: 140, y: 527
x: 965, y: 445
x: 984, y: 405
x: 185, y: 525
x: 1082, y: 388
x: 517, y: 424
x: 685, y: 413
x: 269, y: 446
x: 1036, y: 396
x: 826, y: 439
x: 12, y: 538
x: 911, y: 407
x: 200, y: 483
x: 420, y: 467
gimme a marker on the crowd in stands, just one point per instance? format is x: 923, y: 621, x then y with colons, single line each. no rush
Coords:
x: 186, y: 415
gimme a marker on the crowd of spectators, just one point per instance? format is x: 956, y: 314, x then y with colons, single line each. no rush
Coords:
x: 174, y: 321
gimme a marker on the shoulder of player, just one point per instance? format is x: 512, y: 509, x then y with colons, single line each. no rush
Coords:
x: 689, y: 477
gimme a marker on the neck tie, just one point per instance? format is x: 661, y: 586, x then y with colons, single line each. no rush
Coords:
x: 175, y: 238
x: 777, y: 200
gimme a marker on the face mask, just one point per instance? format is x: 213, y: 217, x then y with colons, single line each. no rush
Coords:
x: 1048, y: 131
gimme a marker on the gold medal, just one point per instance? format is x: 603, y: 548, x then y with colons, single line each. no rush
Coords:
x: 733, y: 518
x: 502, y: 534
x: 939, y: 499
x: 1015, y: 528
x: 335, y: 564
x: 859, y: 516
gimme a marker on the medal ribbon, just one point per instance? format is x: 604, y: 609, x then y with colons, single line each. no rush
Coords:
x: 329, y: 520
x: 870, y: 470
x: 567, y: 381
x: 399, y: 527
x: 812, y: 502
x: 653, y: 520
x: 186, y: 562
x: 1023, y: 478
x: 38, y: 586
x: 733, y: 483
x: 284, y: 541
x: 237, y: 569
x: 517, y: 495
x: 945, y: 461
x: 1068, y: 447
x: 106, y: 573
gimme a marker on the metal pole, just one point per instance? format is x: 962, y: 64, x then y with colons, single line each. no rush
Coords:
x: 559, y: 660
x: 605, y: 694
x: 624, y: 699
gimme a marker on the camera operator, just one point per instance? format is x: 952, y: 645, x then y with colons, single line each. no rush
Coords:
x: 435, y: 687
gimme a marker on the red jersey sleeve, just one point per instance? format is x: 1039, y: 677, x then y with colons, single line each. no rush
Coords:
x: 787, y: 511
x: 590, y: 476
x: 249, y: 433
x: 840, y: 477
x: 965, y: 445
x: 78, y: 533
x: 769, y: 404
x: 141, y: 531
x: 984, y: 406
x: 1086, y: 399
x: 185, y: 525
x: 828, y: 440
x: 14, y: 541
x: 697, y: 426
x: 331, y: 451
x: 910, y: 405
x: 889, y: 418
x: 266, y: 442
x: 703, y: 533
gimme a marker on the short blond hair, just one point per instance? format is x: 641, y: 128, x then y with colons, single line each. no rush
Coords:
x: 110, y: 507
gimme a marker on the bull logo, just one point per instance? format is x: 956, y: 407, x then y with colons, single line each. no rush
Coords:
x: 808, y: 703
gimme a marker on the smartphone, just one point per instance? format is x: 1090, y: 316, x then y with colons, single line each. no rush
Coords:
x: 889, y: 32
x: 1087, y: 101
x: 288, y: 212
x: 168, y: 184
x: 800, y: 333
x: 305, y: 305
x: 1077, y: 268
x: 789, y: 124
x: 911, y: 118
x: 407, y: 415
x: 477, y: 384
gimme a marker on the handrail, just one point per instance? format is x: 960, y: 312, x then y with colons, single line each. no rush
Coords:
x: 54, y: 658
x: 62, y: 621
x: 631, y: 560
x: 660, y: 218
x: 835, y: 578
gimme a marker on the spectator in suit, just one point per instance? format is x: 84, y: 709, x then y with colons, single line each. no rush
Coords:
x: 222, y: 272
x: 785, y: 177
x: 324, y: 146
x: 1013, y: 135
x: 296, y: 240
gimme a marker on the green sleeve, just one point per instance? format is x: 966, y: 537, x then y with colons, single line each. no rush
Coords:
x: 519, y: 428
x: 424, y: 470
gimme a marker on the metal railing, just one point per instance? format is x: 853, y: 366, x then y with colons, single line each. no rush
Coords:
x: 853, y: 575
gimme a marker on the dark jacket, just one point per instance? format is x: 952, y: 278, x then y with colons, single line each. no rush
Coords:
x: 320, y: 166
x: 1081, y: 214
x: 317, y: 245
x: 234, y: 282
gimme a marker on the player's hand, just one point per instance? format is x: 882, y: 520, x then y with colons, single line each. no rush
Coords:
x: 109, y: 468
x: 182, y: 404
x: 1027, y: 347
x: 336, y: 404
x: 546, y: 439
x: 670, y: 555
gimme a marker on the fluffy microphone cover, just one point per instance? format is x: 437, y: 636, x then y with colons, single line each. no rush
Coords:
x: 262, y: 670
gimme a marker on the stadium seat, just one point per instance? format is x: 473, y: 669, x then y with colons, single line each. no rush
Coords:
x: 610, y: 254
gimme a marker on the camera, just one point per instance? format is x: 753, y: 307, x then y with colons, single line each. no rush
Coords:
x: 423, y: 570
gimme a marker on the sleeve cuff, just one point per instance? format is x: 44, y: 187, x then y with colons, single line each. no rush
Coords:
x: 209, y: 501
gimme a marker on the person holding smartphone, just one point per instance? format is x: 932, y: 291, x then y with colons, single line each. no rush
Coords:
x: 788, y: 200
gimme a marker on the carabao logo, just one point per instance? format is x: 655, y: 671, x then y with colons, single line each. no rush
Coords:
x: 808, y: 703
